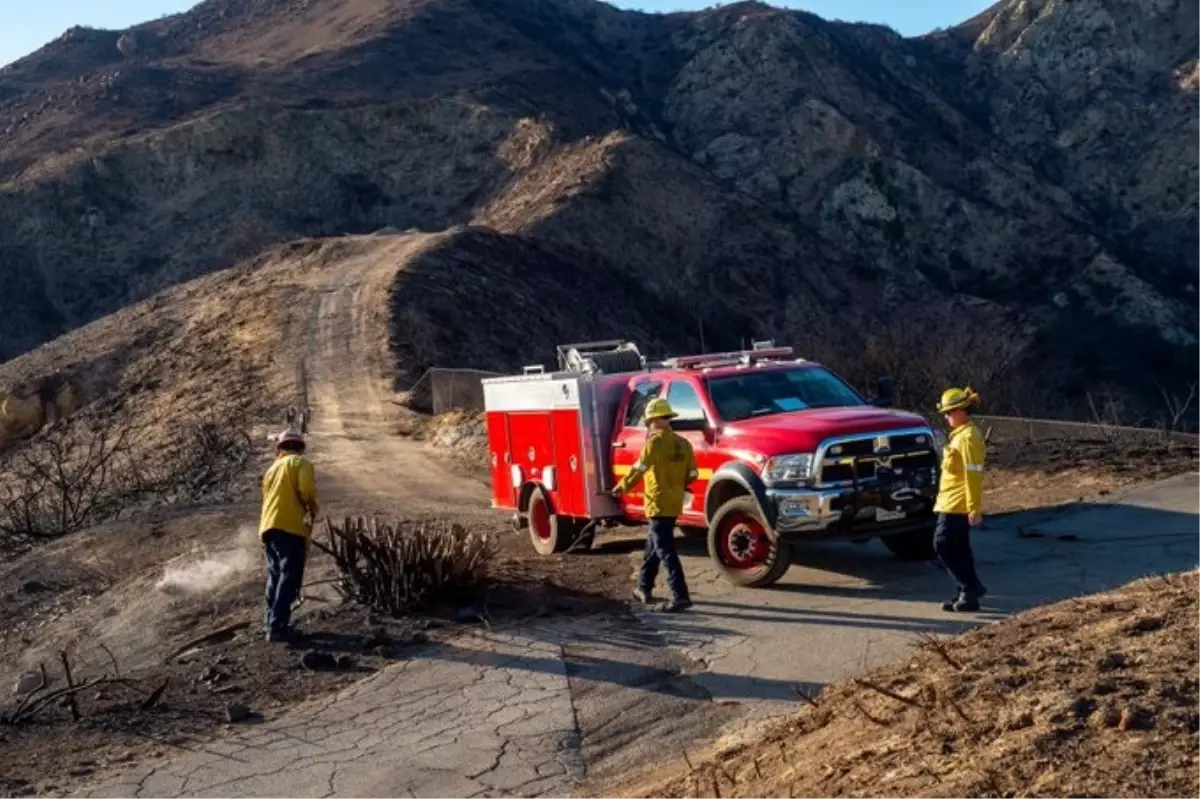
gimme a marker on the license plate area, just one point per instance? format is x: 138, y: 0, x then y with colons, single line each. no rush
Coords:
x: 885, y: 515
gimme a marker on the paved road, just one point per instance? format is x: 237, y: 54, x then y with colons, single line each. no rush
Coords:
x: 850, y: 607
x: 544, y: 708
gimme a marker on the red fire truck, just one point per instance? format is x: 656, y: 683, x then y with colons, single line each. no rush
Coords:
x: 786, y: 450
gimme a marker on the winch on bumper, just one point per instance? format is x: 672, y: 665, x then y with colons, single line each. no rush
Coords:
x: 885, y: 504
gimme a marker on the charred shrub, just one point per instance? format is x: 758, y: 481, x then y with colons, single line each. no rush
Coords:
x: 395, y: 568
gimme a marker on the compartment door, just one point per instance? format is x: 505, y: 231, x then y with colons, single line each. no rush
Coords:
x: 499, y: 461
x: 570, y: 481
x: 531, y: 442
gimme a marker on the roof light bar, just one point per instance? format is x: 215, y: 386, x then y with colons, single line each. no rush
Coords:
x: 729, y: 358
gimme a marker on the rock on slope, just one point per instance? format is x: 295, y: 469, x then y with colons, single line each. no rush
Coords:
x: 770, y: 172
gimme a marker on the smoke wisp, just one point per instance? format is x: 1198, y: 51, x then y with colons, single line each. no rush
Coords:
x: 203, y: 573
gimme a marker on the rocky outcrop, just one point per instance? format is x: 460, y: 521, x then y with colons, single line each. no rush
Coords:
x: 27, y: 408
x: 1033, y: 169
x: 1096, y: 95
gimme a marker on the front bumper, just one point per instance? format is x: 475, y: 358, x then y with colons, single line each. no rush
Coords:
x: 850, y: 512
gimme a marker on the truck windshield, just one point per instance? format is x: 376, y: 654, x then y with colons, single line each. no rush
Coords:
x: 743, y: 396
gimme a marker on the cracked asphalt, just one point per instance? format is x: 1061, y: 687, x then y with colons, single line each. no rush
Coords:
x: 473, y: 720
x: 523, y: 713
x: 557, y: 706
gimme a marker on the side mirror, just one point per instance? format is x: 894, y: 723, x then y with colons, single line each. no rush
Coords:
x: 693, y: 425
x: 885, y: 397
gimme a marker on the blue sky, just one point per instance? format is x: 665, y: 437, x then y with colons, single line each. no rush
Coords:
x: 40, y: 21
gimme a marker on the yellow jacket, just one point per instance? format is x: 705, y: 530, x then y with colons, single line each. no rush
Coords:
x: 668, y: 464
x: 960, y: 489
x: 289, y: 490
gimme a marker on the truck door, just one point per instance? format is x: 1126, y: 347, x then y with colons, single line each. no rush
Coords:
x: 531, y: 442
x: 628, y: 441
x: 500, y: 457
x: 686, y: 400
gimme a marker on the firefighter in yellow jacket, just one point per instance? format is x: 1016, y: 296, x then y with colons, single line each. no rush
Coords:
x: 289, y: 507
x: 960, y: 497
x: 667, y: 464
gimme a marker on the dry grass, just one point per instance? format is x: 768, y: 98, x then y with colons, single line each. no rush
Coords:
x: 1094, y: 696
x: 1025, y: 474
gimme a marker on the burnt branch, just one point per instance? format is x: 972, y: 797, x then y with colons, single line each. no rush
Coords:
x: 1177, y: 406
x: 809, y: 696
x: 861, y: 683
x: 155, y: 695
x: 38, y: 699
x: 394, y: 568
x: 66, y: 664
x: 81, y: 472
x: 930, y: 642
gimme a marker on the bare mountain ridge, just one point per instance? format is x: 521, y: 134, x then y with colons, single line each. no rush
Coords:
x: 840, y: 171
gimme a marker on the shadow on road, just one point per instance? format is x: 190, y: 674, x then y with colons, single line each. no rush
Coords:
x: 657, y: 680
x: 1024, y: 558
x: 952, y: 625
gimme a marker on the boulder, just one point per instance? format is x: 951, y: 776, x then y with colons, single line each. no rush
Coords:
x: 127, y: 45
x: 29, y: 682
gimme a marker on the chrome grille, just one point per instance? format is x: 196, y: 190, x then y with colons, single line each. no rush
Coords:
x: 841, y: 461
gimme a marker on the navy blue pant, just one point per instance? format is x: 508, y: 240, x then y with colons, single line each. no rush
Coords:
x: 952, y: 542
x: 660, y: 548
x: 285, y: 574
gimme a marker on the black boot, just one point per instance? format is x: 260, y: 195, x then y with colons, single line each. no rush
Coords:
x: 964, y: 603
x: 643, y: 596
x: 675, y: 605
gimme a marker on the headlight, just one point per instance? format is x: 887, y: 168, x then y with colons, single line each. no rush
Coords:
x: 939, y: 441
x: 788, y: 469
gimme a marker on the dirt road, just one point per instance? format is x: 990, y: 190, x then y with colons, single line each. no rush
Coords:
x: 349, y: 374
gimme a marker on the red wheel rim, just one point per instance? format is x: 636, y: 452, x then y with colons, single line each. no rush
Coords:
x: 743, y: 542
x: 539, y: 518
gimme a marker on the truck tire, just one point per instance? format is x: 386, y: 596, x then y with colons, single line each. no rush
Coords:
x: 743, y: 547
x: 912, y: 545
x: 548, y: 532
x: 782, y: 563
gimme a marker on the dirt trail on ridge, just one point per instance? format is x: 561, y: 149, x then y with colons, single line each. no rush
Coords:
x: 348, y: 372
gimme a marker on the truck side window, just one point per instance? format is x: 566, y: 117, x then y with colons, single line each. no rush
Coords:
x: 642, y: 394
x: 684, y: 400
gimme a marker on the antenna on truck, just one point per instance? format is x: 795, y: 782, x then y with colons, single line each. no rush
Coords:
x: 600, y: 357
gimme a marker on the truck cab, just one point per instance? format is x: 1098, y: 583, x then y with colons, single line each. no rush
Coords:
x: 786, y: 451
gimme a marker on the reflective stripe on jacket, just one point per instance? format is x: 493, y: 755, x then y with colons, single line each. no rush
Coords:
x: 960, y: 489
x: 289, y: 490
x: 667, y: 465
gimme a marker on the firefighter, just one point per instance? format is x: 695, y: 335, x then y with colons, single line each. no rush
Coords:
x: 667, y: 464
x: 289, y: 507
x: 959, y: 501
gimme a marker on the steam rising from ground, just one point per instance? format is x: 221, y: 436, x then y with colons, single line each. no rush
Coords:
x: 203, y: 573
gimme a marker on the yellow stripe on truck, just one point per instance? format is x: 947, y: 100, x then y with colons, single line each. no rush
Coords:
x: 701, y: 474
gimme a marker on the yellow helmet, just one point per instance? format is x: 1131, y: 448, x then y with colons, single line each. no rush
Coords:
x: 659, y: 408
x: 955, y: 398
